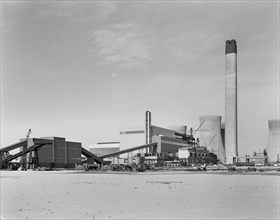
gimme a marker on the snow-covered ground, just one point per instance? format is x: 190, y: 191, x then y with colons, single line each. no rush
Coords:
x: 157, y: 195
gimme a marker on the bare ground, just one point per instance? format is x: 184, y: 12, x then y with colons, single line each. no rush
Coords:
x: 148, y: 195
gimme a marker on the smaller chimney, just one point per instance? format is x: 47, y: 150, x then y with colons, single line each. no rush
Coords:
x: 148, y: 128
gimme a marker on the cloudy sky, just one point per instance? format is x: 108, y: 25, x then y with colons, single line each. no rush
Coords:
x: 85, y: 69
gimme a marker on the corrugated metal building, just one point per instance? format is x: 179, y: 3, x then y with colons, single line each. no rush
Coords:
x: 60, y: 154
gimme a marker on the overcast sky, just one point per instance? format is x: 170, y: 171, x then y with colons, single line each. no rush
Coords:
x: 85, y: 69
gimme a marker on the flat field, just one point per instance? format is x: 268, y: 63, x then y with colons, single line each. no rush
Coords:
x: 148, y: 195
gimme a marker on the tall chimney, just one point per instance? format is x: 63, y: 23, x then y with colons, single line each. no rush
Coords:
x: 231, y: 102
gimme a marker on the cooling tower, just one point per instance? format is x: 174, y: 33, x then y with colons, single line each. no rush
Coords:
x: 231, y: 102
x: 273, y: 140
x: 210, y: 135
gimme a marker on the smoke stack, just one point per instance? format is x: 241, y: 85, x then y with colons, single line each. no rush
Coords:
x: 231, y: 102
x: 148, y: 128
x: 273, y: 146
x: 210, y: 135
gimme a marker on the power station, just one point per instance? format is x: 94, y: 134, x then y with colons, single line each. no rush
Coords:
x: 154, y: 145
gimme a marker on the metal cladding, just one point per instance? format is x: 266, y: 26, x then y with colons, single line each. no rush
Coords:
x: 273, y: 147
x: 231, y: 102
x: 182, y: 129
x: 60, y: 153
x: 210, y: 135
x: 148, y: 128
x: 156, y: 131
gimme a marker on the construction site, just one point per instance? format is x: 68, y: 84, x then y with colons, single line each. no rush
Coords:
x: 151, y: 147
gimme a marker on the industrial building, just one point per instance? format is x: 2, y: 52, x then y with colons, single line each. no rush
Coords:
x: 156, y: 145
x: 259, y: 158
x: 49, y: 152
x: 103, y: 148
x: 60, y: 153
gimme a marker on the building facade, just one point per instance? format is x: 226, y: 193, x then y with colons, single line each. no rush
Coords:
x: 59, y: 154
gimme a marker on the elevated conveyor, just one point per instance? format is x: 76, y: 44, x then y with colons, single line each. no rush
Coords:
x: 128, y: 150
x: 29, y: 149
x: 14, y: 146
x: 91, y: 156
x: 37, y: 144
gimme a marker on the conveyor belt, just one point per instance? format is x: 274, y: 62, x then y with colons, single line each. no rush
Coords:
x: 21, y: 153
x: 88, y: 154
x: 128, y: 150
x: 14, y: 146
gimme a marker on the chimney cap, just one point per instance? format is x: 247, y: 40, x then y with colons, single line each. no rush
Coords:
x: 231, y: 46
